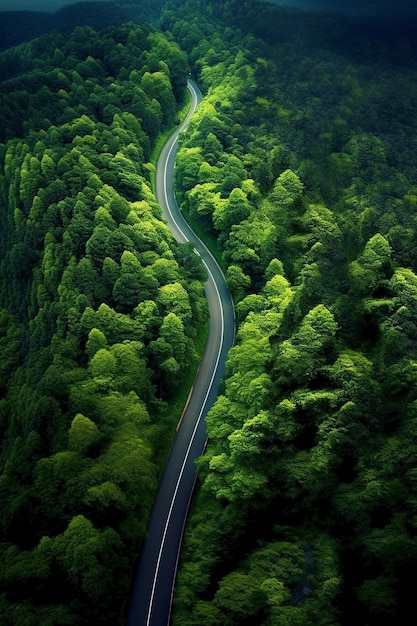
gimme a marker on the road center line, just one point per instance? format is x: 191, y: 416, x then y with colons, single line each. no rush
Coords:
x: 209, y: 388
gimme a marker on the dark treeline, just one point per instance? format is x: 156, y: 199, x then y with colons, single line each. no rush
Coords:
x: 300, y: 166
x: 100, y: 310
x: 19, y: 26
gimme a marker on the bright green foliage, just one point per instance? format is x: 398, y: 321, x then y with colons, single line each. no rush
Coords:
x: 373, y: 266
x: 301, y: 162
x: 83, y: 434
x: 300, y: 358
x: 237, y: 281
x: 90, y: 279
x: 310, y: 442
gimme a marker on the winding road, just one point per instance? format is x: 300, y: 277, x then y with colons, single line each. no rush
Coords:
x: 153, y: 587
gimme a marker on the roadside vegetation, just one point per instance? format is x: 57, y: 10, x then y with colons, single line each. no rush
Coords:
x: 301, y: 163
x: 101, y: 323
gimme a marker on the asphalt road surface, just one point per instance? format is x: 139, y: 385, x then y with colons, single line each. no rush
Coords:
x: 153, y: 587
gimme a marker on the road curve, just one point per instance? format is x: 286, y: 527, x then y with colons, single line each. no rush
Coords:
x: 151, y: 598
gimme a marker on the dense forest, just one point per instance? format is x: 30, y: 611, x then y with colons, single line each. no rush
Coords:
x: 299, y: 171
x: 102, y: 315
x: 300, y: 166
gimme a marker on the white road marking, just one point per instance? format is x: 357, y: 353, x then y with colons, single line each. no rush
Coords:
x: 162, y: 545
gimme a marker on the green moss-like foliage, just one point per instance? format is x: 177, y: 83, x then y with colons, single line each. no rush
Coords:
x: 301, y: 162
x: 100, y: 308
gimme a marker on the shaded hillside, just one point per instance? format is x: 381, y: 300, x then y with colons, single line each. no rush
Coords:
x: 19, y: 26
